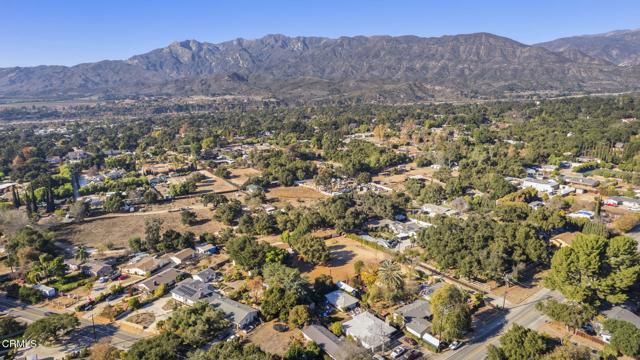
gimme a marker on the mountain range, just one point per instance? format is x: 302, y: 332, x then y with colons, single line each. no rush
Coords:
x: 404, y: 68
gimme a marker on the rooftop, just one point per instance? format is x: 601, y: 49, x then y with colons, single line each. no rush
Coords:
x: 327, y: 341
x: 341, y: 299
x: 193, y: 290
x: 237, y: 311
x: 621, y: 313
x: 367, y: 328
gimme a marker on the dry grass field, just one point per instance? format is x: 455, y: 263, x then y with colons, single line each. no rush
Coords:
x: 117, y: 229
x: 344, y: 253
x: 272, y: 341
x: 396, y: 182
x: 240, y: 176
x: 294, y: 195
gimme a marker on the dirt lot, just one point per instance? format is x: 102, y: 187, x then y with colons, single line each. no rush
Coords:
x: 294, y: 195
x: 396, y: 181
x: 144, y: 318
x: 156, y: 310
x: 218, y: 184
x: 210, y: 183
x: 240, y: 176
x: 119, y: 228
x: 272, y: 341
x: 344, y: 253
x: 517, y: 294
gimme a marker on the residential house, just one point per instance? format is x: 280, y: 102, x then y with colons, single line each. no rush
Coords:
x: 415, y: 317
x: 190, y: 291
x: 45, y: 290
x: 583, y: 181
x: 625, y: 201
x: 327, y: 341
x: 619, y: 313
x: 535, y: 205
x: 240, y: 314
x: 369, y: 331
x: 207, y: 275
x: 182, y: 256
x: 77, y: 155
x: 434, y: 210
x: 541, y: 185
x: 145, y: 265
x: 347, y: 288
x: 427, y: 290
x: 73, y: 264
x: 54, y: 160
x: 207, y: 249
x: 167, y: 278
x: 341, y: 300
x: 96, y: 268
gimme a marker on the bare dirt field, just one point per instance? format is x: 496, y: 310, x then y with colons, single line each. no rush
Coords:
x: 294, y: 195
x: 144, y: 318
x: 518, y: 294
x: 344, y: 253
x: 272, y: 341
x: 240, y: 176
x: 210, y: 183
x: 218, y: 184
x: 396, y: 182
x: 117, y: 229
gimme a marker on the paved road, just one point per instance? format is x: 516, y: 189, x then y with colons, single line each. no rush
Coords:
x: 84, y: 335
x: 489, y: 332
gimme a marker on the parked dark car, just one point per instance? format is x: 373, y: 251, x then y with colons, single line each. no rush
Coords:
x: 411, y: 355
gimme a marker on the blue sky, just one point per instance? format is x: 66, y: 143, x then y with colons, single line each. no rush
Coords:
x: 74, y: 31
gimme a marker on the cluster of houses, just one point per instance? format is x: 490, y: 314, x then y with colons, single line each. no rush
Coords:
x: 367, y: 329
x: 188, y: 288
x: 403, y: 232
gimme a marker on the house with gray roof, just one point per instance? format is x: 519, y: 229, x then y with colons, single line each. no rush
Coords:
x: 240, y: 314
x: 415, y: 317
x: 207, y: 275
x: 369, y: 331
x: 96, y: 268
x: 618, y: 313
x: 336, y: 348
x: 341, y: 300
x: 166, y: 278
x: 190, y: 291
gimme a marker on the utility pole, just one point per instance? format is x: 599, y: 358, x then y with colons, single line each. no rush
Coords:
x: 93, y: 326
x: 504, y: 297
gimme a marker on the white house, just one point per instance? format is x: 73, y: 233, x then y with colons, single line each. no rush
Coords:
x: 546, y: 186
x: 182, y: 256
x: 45, y: 290
x: 206, y: 249
x: 371, y: 332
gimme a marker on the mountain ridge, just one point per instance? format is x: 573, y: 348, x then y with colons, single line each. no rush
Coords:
x: 620, y: 47
x: 369, y: 67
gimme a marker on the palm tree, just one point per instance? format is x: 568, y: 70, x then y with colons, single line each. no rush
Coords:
x: 81, y: 254
x: 390, y: 275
